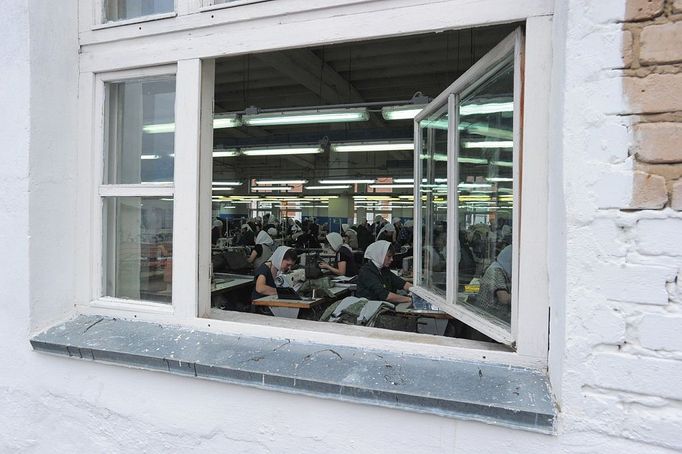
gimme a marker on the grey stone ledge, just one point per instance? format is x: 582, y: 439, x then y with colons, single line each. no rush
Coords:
x: 508, y: 396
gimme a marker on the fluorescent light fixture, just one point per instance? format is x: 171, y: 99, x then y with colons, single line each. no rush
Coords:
x: 472, y: 160
x: 338, y: 186
x: 502, y: 163
x: 221, y: 121
x: 222, y: 189
x: 160, y: 128
x: 498, y: 179
x: 492, y: 107
x: 227, y: 183
x: 490, y: 144
x: 351, y: 181
x: 278, y: 151
x: 435, y: 157
x: 218, y: 153
x: 474, y: 185
x: 306, y: 117
x: 373, y: 146
x: 281, y: 181
x: 150, y: 156
x: 272, y: 188
x: 407, y: 112
x: 403, y: 180
x: 485, y: 130
x: 391, y: 186
x: 317, y: 206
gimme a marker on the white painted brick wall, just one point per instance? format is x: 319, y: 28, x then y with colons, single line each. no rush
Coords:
x: 634, y: 283
x: 660, y: 236
x: 661, y: 332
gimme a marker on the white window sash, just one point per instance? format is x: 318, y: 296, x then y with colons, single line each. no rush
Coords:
x: 487, y: 65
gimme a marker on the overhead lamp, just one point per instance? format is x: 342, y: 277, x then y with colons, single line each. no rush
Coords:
x: 228, y: 153
x: 472, y: 160
x: 373, y: 146
x: 278, y: 151
x: 350, y: 181
x: 498, y: 179
x: 503, y: 163
x: 474, y: 185
x: 149, y: 156
x: 338, y: 186
x: 403, y: 180
x: 391, y: 186
x: 406, y: 112
x: 222, y: 121
x: 159, y: 128
x: 483, y: 129
x: 487, y: 108
x: 222, y: 189
x: 227, y: 183
x: 306, y: 117
x: 434, y: 157
x: 272, y: 188
x: 440, y: 123
x: 281, y: 181
x: 490, y: 144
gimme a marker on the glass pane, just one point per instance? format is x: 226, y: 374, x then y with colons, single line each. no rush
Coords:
x: 138, y: 250
x: 433, y: 190
x: 141, y: 131
x: 485, y: 190
x: 115, y: 10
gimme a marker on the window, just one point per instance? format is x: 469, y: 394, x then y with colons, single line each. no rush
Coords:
x: 137, y: 189
x: 467, y: 140
x: 119, y: 10
x: 228, y: 3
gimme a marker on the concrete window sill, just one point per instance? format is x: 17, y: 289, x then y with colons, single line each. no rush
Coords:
x: 509, y: 396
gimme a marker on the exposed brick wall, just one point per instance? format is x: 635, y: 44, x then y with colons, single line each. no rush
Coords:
x: 652, y: 58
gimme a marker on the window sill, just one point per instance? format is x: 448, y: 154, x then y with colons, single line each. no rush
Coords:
x: 514, y: 397
x: 135, y: 20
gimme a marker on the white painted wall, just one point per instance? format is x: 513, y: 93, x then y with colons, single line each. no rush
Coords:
x: 616, y: 353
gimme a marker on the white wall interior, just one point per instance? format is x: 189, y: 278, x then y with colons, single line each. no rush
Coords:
x: 51, y: 404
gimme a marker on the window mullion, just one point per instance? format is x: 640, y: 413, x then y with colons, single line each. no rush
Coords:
x: 205, y: 187
x: 453, y: 202
x: 186, y: 208
x: 418, y: 220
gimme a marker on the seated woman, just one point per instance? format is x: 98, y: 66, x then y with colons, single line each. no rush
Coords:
x: 376, y: 281
x: 263, y: 250
x: 345, y: 264
x: 494, y: 295
x: 281, y: 261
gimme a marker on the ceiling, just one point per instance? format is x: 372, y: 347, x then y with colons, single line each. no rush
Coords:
x: 377, y: 71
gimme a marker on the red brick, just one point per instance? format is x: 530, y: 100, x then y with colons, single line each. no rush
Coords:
x: 658, y: 143
x: 661, y: 43
x: 643, y: 9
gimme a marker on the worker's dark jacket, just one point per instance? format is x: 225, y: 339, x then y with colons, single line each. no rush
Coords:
x: 375, y: 284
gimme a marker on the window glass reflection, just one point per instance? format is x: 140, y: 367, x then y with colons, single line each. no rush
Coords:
x: 115, y: 10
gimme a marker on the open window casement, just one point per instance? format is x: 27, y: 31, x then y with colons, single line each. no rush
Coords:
x: 467, y: 194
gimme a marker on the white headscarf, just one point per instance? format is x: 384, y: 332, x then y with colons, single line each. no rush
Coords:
x: 396, y: 220
x: 264, y: 238
x: 376, y: 252
x: 344, y: 227
x: 246, y: 226
x: 390, y: 228
x: 335, y: 241
x: 218, y: 223
x: 409, y: 224
x: 272, y: 231
x: 278, y: 256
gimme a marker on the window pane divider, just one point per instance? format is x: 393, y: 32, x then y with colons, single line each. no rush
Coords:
x: 109, y: 302
x: 137, y: 190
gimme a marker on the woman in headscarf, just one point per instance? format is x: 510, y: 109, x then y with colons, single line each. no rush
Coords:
x: 376, y: 281
x: 281, y: 261
x: 248, y: 237
x: 494, y: 295
x: 351, y: 236
x: 263, y: 250
x: 345, y: 264
x: 387, y: 233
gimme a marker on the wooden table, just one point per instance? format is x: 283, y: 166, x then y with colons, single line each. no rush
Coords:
x: 293, y: 308
x: 432, y: 321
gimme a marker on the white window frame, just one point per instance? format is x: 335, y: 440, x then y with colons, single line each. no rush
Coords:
x: 104, y: 60
x: 99, y: 19
x: 485, y: 67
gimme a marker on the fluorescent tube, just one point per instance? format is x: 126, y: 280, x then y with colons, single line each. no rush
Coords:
x: 339, y: 186
x: 281, y: 181
x: 150, y: 156
x: 218, y: 153
x: 407, y: 112
x: 351, y: 181
x: 227, y: 183
x: 281, y: 151
x: 373, y: 146
x: 306, y: 117
x: 492, y: 107
x: 490, y: 144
